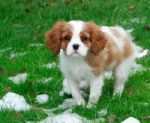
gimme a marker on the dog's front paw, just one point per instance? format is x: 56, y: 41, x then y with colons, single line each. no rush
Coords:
x: 118, y: 92
x: 90, y: 105
x: 80, y: 102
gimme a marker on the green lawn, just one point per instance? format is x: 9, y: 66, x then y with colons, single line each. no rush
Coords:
x: 23, y: 22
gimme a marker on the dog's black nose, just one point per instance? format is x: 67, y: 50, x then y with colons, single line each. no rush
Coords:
x: 75, y: 46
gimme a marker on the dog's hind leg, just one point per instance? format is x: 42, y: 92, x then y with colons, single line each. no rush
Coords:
x: 121, y: 73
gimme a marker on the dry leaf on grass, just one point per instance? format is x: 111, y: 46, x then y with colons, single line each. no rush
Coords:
x: 112, y: 118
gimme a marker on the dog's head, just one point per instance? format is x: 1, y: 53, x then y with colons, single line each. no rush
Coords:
x: 76, y: 38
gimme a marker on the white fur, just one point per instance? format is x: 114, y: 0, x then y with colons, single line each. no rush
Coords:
x: 75, y: 71
x: 77, y: 27
x: 118, y: 41
x: 122, y: 72
x: 78, y: 73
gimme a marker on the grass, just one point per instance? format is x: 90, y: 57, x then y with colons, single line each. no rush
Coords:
x: 26, y: 21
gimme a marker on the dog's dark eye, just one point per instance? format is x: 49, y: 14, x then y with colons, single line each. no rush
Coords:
x: 84, y: 38
x: 67, y: 38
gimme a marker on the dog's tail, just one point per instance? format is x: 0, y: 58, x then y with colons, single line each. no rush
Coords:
x: 144, y: 52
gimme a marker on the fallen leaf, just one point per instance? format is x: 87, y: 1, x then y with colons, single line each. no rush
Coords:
x: 112, y: 118
x: 131, y: 9
x: 146, y: 118
x: 1, y: 70
x: 147, y: 27
x: 7, y: 89
x: 30, y: 84
x: 68, y: 1
x: 17, y: 114
x: 130, y: 91
x: 27, y: 10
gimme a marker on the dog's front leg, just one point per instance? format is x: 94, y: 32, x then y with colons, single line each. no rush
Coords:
x: 96, y: 85
x: 75, y: 91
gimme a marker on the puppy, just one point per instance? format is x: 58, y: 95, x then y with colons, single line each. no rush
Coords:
x: 87, y: 51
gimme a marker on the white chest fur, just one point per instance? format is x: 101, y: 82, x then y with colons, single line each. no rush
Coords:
x: 75, y: 67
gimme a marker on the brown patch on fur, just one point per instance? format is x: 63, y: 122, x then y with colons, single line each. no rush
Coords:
x: 54, y: 37
x: 97, y: 37
x: 96, y: 62
x: 105, y: 58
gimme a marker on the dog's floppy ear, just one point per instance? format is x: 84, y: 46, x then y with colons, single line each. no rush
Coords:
x: 97, y: 37
x: 53, y: 37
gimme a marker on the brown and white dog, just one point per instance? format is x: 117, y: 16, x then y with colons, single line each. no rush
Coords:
x: 87, y: 51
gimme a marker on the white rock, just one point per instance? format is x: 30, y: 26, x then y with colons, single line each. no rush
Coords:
x: 42, y: 98
x: 50, y: 65
x: 13, y: 101
x: 19, y: 78
x: 63, y: 118
x: 68, y: 117
x: 131, y: 120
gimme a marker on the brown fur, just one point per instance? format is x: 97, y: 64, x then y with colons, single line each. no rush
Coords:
x: 54, y: 37
x: 104, y: 60
x: 110, y: 54
x: 97, y: 37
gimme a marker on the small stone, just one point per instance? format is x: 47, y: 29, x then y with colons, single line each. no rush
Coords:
x: 13, y: 101
x: 131, y: 120
x: 19, y: 78
x: 42, y: 98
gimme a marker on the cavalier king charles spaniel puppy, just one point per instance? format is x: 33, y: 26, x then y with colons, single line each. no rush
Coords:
x: 86, y: 52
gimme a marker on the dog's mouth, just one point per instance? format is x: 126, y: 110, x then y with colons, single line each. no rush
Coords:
x: 75, y: 54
